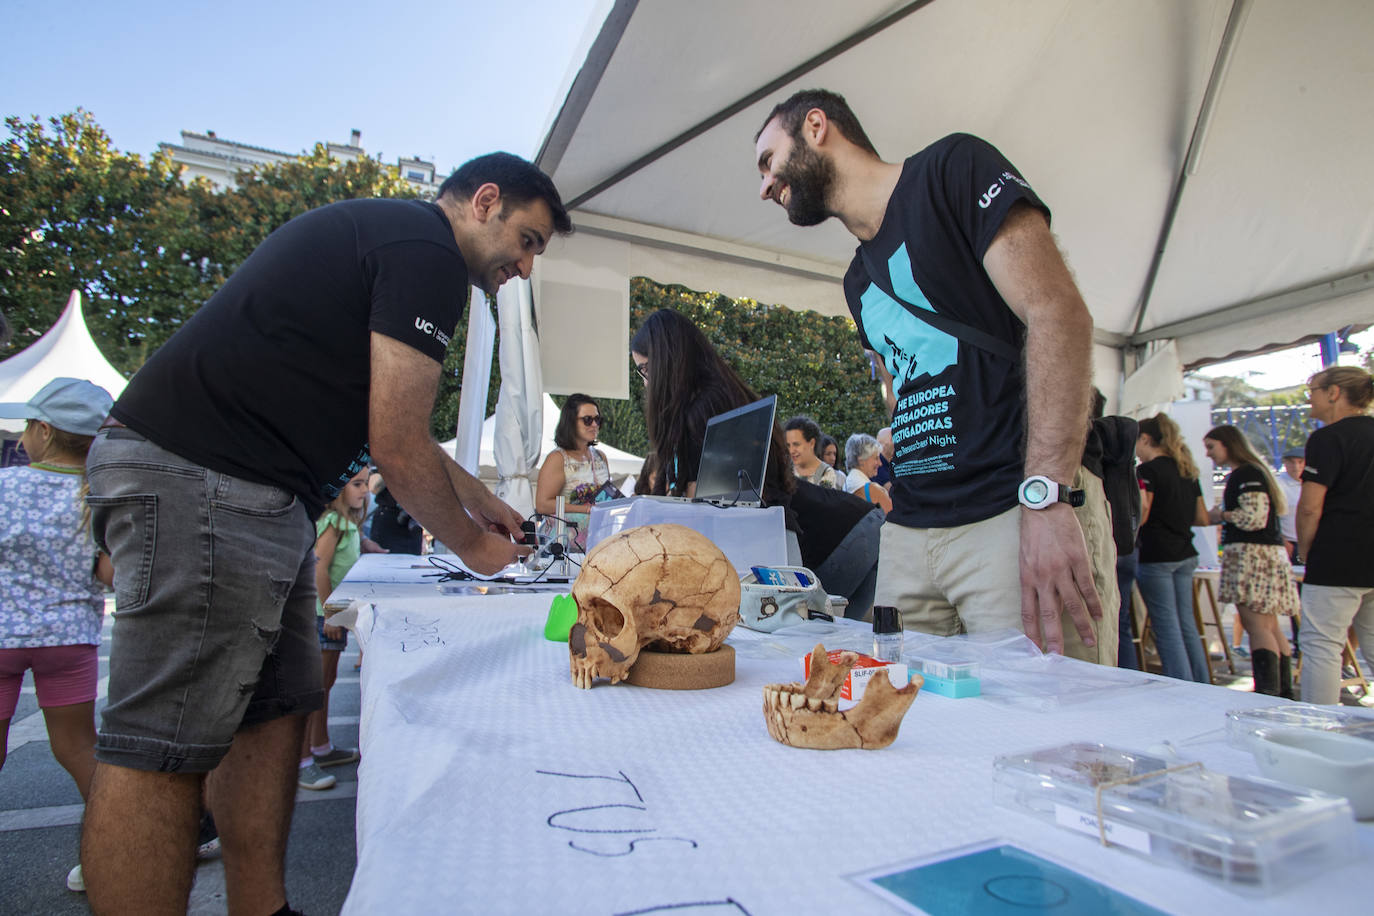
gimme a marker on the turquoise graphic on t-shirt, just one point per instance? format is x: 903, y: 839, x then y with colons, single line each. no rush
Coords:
x: 909, y: 347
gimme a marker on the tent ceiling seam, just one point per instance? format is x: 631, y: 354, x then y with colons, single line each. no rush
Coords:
x: 1201, y: 125
x: 584, y: 86
x: 730, y: 111
x: 1355, y: 282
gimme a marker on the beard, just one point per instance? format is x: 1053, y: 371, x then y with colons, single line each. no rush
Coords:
x: 809, y: 176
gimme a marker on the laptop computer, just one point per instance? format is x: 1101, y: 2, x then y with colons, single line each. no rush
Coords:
x: 734, y: 455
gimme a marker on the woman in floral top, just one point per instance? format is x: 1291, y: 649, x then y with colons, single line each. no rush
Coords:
x: 51, y: 597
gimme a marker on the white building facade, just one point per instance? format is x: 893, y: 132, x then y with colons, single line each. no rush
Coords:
x: 219, y: 160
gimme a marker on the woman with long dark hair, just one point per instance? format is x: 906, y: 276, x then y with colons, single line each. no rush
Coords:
x: 1170, y: 505
x: 1336, y: 528
x: 1255, y: 573
x: 686, y: 383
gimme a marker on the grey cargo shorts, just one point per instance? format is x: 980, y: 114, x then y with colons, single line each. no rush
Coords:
x: 214, y: 623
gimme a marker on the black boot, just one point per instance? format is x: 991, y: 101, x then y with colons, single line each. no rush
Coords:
x: 1265, y: 663
x: 1286, y: 677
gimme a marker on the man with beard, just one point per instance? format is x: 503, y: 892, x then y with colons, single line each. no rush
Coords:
x: 957, y: 280
x: 322, y: 351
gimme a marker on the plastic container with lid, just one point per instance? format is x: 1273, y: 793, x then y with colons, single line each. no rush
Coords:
x: 1242, y: 724
x: 1252, y: 835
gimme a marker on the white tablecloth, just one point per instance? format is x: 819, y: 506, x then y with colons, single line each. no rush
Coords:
x: 489, y: 784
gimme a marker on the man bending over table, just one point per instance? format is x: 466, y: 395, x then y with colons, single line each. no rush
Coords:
x: 321, y: 351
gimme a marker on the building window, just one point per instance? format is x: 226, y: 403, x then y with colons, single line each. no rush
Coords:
x: 413, y: 175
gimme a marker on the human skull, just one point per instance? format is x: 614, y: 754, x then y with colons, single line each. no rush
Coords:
x: 665, y: 587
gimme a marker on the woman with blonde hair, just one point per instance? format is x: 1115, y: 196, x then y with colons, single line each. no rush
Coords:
x: 1170, y: 505
x: 1255, y: 573
x: 1336, y: 528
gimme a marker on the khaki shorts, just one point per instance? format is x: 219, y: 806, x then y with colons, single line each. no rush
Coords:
x: 967, y: 579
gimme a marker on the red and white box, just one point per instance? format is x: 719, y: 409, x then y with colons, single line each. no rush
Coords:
x: 864, y: 670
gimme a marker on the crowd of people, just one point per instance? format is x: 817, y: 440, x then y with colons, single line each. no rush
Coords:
x: 1289, y: 548
x: 224, y: 513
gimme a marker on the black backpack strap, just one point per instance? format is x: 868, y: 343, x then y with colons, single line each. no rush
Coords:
x: 980, y: 339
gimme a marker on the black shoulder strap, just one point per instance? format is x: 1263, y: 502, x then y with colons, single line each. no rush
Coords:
x: 980, y: 339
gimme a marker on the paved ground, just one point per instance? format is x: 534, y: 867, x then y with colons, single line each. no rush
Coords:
x: 40, y: 817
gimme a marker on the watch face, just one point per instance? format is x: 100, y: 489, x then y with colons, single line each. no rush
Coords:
x: 1036, y: 491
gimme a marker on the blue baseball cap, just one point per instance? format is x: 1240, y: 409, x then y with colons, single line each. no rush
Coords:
x: 73, y: 405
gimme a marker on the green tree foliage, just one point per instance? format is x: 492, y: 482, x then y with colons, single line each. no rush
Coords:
x: 146, y: 250
x: 1230, y: 391
x: 812, y: 362
x: 269, y: 196
x: 75, y: 213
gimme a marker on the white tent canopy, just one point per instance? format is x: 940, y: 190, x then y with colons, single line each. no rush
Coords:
x: 66, y: 350
x: 622, y: 464
x: 1205, y: 160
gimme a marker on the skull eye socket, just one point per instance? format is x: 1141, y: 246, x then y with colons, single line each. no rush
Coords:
x: 607, y: 619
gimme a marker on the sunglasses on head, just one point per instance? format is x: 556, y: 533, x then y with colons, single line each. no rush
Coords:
x: 591, y: 421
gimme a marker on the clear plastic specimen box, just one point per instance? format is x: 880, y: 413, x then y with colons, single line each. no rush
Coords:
x: 1252, y: 835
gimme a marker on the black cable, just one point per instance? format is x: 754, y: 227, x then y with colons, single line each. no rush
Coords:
x: 448, y: 571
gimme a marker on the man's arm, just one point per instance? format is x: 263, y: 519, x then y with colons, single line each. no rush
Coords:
x: 1025, y: 265
x: 1310, y: 505
x: 431, y: 486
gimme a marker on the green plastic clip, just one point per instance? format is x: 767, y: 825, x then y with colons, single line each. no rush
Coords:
x: 562, y: 616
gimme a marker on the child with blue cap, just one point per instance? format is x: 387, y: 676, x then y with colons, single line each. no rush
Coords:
x: 51, y: 595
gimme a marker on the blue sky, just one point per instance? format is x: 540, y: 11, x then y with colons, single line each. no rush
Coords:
x: 442, y: 79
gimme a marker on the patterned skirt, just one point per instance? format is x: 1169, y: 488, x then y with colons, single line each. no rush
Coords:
x: 1259, y: 577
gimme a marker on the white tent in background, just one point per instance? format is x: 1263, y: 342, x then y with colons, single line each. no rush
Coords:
x: 66, y: 350
x: 622, y: 463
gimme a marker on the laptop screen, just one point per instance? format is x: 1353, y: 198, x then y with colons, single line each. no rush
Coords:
x: 734, y: 453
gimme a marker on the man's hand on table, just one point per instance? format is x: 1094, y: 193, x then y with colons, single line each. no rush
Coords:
x: 490, y: 552
x: 1056, y: 576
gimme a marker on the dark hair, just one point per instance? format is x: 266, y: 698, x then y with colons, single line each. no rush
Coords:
x: 520, y: 182
x: 825, y: 443
x: 1099, y: 403
x: 565, y: 436
x: 1239, y: 449
x: 809, y: 428
x: 837, y: 111
x: 688, y: 384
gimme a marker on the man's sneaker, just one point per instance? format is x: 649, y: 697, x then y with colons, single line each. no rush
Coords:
x: 312, y: 777
x: 76, y: 881
x: 337, y: 756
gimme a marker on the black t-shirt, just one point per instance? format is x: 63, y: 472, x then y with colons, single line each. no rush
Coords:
x: 1167, y: 535
x: 1341, y: 458
x: 1248, y: 479
x: 960, y: 411
x: 268, y: 381
x: 826, y: 517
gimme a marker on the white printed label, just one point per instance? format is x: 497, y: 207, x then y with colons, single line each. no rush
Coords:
x: 1117, y: 834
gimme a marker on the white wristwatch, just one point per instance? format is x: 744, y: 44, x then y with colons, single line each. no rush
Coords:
x: 1039, y: 492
